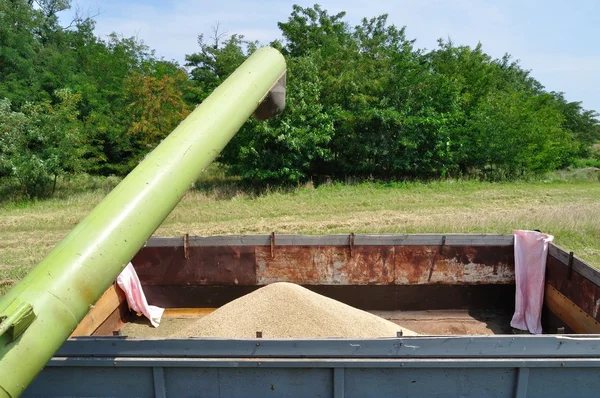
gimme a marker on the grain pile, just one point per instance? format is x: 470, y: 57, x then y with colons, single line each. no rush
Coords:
x: 286, y: 310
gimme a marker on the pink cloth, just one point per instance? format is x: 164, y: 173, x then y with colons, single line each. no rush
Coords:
x: 531, y: 252
x: 129, y: 282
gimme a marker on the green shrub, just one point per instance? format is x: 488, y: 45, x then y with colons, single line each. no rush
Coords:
x: 40, y: 143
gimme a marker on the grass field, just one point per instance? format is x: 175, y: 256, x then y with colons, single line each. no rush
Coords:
x: 565, y: 207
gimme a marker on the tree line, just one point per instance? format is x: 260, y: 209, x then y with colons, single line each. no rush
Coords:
x: 362, y: 102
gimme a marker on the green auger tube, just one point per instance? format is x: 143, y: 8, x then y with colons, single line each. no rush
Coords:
x: 40, y: 312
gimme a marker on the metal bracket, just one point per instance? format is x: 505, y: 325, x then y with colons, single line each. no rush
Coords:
x: 570, y: 266
x: 186, y: 246
x: 433, y: 258
x: 16, y: 319
x: 351, y: 243
x: 272, y: 244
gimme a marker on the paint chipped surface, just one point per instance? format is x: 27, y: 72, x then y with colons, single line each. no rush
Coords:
x: 383, y: 265
x: 326, y: 265
x: 329, y: 265
x: 454, y: 265
x: 584, y: 293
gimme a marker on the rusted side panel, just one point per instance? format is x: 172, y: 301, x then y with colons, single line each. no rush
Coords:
x: 382, y: 265
x: 325, y: 265
x: 206, y: 265
x: 580, y: 290
x: 454, y: 265
x: 328, y: 265
x: 413, y: 264
x: 474, y: 265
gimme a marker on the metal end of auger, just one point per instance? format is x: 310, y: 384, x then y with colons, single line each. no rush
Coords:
x: 274, y: 102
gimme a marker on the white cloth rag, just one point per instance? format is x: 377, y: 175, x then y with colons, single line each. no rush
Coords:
x: 531, y: 252
x: 129, y: 282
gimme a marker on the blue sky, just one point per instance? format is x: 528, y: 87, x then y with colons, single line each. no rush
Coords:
x: 557, y: 40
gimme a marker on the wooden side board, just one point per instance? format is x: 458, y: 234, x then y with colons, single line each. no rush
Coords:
x: 574, y: 317
x: 575, y: 280
x: 107, y: 308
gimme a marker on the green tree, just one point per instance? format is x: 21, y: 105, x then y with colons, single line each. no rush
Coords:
x: 313, y: 29
x: 41, y: 143
x: 217, y: 60
x: 156, y: 101
x: 363, y: 101
x: 518, y: 133
x: 582, y: 123
x: 104, y: 68
x: 400, y: 112
x: 18, y: 47
x: 291, y: 147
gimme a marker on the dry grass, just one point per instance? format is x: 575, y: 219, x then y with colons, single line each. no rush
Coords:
x: 570, y: 210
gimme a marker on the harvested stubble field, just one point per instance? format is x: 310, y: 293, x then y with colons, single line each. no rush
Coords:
x: 569, y: 209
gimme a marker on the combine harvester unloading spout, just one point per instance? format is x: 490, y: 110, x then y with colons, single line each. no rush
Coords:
x: 41, y: 312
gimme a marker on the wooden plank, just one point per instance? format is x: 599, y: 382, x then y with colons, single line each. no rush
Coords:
x: 113, y: 323
x: 104, y: 308
x: 569, y: 312
x: 451, y: 321
x: 427, y: 315
x: 437, y: 322
x: 186, y: 312
x: 580, y: 290
x: 552, y: 324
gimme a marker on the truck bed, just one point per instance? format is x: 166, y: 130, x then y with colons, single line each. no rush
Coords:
x: 432, y: 322
x: 457, y: 291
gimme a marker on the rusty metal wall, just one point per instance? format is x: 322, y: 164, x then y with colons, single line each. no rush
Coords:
x: 577, y: 281
x: 371, y: 272
x: 352, y: 264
